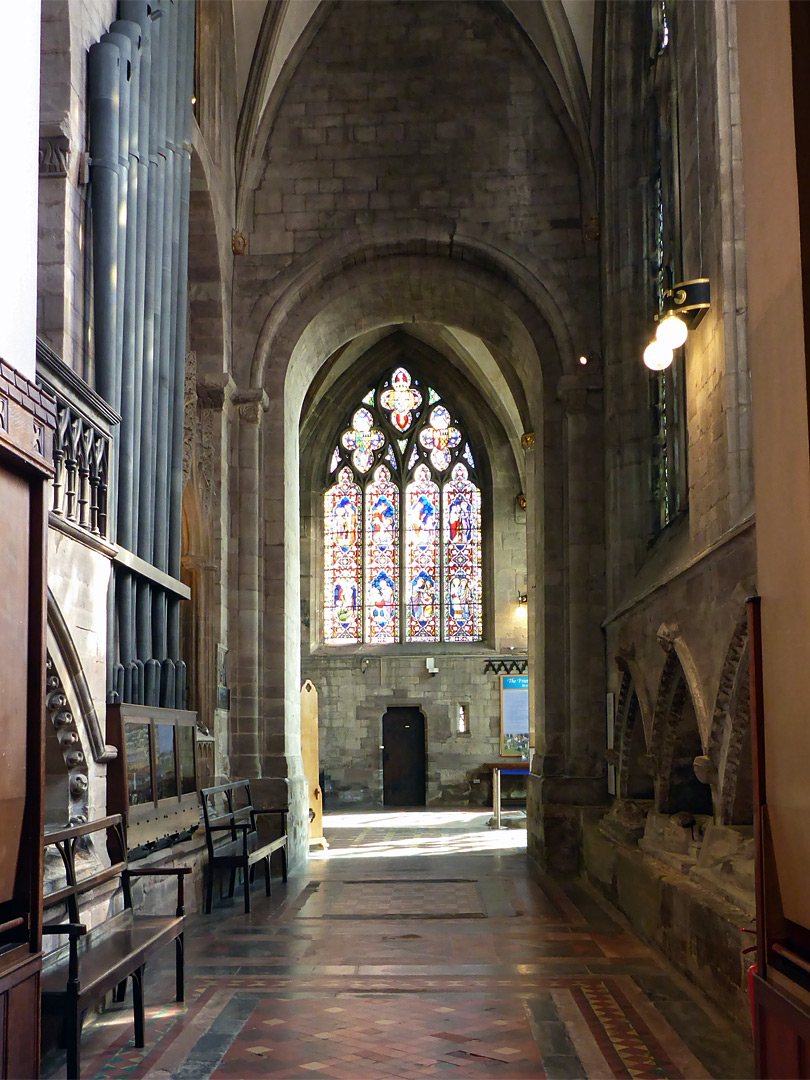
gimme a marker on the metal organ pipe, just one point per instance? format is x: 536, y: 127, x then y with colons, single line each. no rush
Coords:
x: 102, y: 106
x: 164, y: 381
x: 140, y: 85
x: 183, y: 143
x: 124, y: 344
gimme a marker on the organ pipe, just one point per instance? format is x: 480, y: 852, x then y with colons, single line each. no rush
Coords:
x: 139, y: 90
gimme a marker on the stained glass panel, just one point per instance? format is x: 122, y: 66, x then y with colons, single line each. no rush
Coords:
x: 433, y: 397
x: 400, y: 400
x: 440, y: 438
x: 363, y: 439
x: 389, y: 457
x: 342, y: 548
x: 422, y: 557
x: 335, y: 460
x: 382, y: 559
x: 468, y: 456
x: 462, y: 586
x: 412, y: 460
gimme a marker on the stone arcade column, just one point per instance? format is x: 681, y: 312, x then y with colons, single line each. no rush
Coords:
x: 247, y: 601
x: 265, y: 613
x: 535, y: 637
x: 210, y: 408
x: 564, y: 787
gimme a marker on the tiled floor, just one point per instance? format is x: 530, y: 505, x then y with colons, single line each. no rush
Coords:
x: 419, y: 945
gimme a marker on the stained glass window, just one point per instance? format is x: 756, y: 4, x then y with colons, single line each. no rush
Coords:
x: 382, y: 560
x: 342, y: 547
x: 402, y: 522
x: 422, y: 557
x: 462, y: 545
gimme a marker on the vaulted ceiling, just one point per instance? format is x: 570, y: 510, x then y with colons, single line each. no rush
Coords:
x: 271, y: 37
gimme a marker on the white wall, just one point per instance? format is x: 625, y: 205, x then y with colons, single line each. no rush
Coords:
x: 19, y: 178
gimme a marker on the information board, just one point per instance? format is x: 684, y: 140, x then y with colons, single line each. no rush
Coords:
x: 515, y: 715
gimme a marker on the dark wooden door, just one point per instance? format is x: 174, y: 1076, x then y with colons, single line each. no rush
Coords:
x: 403, y: 757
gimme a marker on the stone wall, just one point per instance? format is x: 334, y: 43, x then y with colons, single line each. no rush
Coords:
x: 353, y: 694
x: 675, y: 620
x: 64, y: 281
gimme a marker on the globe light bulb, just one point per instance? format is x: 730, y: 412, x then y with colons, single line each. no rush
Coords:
x: 672, y: 332
x: 657, y: 357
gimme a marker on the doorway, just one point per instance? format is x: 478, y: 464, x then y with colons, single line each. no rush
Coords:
x: 403, y: 739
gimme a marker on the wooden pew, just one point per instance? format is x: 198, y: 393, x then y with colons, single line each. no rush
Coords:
x: 233, y: 840
x: 102, y: 958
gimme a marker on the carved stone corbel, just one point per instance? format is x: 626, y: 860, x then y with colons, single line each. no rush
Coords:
x: 667, y: 634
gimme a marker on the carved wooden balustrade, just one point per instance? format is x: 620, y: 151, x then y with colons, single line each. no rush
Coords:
x: 82, y: 449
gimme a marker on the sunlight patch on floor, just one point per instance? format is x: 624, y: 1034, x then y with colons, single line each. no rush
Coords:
x: 449, y: 832
x: 406, y: 819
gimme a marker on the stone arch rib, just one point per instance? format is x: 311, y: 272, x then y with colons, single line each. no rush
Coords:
x: 102, y: 752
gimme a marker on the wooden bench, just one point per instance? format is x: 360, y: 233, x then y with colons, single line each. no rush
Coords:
x: 101, y: 959
x: 233, y: 840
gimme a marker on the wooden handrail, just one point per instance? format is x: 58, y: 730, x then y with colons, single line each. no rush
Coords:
x: 60, y: 835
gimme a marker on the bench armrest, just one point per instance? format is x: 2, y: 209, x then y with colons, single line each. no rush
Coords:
x: 75, y: 928
x: 165, y: 871
x: 274, y: 810
x: 75, y: 931
x: 144, y: 872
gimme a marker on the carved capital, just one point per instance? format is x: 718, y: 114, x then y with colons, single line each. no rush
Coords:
x: 252, y: 403
x: 251, y: 412
x: 54, y: 155
x: 213, y: 393
x: 527, y: 440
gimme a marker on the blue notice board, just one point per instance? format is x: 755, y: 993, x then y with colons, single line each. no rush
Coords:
x: 514, y: 715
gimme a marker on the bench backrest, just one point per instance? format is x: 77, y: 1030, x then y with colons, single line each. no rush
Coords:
x: 66, y: 842
x: 227, y: 809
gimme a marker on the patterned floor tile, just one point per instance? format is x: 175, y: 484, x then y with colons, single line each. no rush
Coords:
x: 416, y: 950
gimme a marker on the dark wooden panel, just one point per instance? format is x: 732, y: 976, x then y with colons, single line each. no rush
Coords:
x: 22, y: 1011
x: 14, y: 564
x: 781, y: 1034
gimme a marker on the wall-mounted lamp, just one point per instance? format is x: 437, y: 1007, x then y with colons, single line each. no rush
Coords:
x: 684, y: 305
x: 522, y: 609
x: 522, y: 599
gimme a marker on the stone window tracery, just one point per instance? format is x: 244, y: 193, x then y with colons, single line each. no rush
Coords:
x: 402, y: 522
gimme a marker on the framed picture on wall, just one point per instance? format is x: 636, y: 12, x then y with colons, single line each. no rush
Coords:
x: 515, y: 716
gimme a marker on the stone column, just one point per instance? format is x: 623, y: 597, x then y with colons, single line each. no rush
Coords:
x: 581, y: 396
x: 567, y: 775
x: 535, y: 636
x: 247, y: 600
